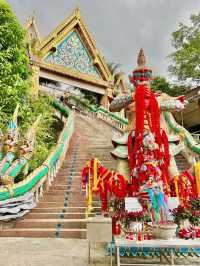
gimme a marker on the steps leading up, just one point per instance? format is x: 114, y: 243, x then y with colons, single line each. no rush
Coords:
x: 61, y: 212
x: 182, y: 163
x: 45, y: 232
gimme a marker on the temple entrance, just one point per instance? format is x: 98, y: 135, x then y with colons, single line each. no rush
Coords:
x: 61, y: 89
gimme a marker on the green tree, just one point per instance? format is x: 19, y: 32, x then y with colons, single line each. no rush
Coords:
x: 161, y: 84
x: 14, y: 62
x: 185, y: 61
x: 14, y: 88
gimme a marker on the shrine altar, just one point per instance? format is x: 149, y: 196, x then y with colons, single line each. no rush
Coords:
x: 166, y: 249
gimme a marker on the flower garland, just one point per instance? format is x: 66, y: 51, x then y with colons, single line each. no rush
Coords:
x: 139, y: 216
x: 98, y: 179
x: 190, y: 212
x: 197, y: 175
x: 118, y: 186
x: 184, y: 187
x: 147, y: 108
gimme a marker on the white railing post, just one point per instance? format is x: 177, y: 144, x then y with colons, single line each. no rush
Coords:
x: 52, y: 174
x: 41, y: 191
x: 49, y: 177
x: 36, y: 195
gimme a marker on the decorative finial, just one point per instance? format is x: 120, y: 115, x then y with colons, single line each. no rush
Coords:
x: 141, y: 61
x: 141, y: 73
x: 77, y: 9
x: 34, y: 15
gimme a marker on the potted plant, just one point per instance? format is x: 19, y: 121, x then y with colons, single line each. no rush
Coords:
x: 181, y: 216
x: 195, y: 215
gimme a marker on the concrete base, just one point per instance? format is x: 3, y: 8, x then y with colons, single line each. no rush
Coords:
x: 50, y: 252
x: 18, y: 251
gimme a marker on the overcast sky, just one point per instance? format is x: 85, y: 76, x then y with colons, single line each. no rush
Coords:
x: 120, y: 27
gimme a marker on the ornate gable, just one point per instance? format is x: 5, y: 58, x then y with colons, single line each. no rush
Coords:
x: 71, y: 46
x: 72, y: 53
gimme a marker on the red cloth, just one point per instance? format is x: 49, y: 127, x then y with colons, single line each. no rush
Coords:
x: 147, y: 108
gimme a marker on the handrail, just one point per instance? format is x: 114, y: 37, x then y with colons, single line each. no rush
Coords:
x: 83, y: 103
x: 120, y: 119
x: 101, y: 113
x: 196, y: 137
x: 44, y: 175
x: 188, y: 139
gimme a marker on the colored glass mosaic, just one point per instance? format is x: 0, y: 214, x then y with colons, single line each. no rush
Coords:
x: 72, y: 53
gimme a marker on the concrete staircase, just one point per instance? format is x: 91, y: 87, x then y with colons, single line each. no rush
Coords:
x: 182, y: 163
x: 61, y: 212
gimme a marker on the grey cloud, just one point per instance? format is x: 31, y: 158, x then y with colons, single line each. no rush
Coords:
x: 120, y: 27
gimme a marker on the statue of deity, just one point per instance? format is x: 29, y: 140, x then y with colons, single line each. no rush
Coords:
x: 26, y: 150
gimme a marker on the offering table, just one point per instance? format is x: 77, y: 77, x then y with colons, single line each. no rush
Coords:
x: 170, y: 245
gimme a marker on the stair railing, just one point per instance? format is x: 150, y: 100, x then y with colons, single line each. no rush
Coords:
x: 98, y: 112
x: 184, y: 133
x: 196, y: 137
x: 54, y: 165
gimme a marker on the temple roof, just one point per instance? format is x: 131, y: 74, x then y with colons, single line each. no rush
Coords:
x: 72, y: 33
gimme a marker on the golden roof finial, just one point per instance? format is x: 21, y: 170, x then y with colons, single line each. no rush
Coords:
x: 34, y: 14
x: 32, y: 17
x: 141, y: 61
x: 77, y: 9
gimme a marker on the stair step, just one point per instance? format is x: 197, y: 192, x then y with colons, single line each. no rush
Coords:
x: 44, y: 232
x: 58, y: 198
x: 60, y: 192
x: 67, y: 186
x: 38, y: 215
x: 63, y: 188
x: 59, y: 176
x: 64, y: 181
x: 59, y: 210
x: 62, y: 210
x: 51, y: 223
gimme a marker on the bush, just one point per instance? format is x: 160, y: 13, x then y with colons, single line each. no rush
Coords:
x: 48, y: 129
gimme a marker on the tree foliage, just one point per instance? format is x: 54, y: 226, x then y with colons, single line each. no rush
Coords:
x: 185, y: 63
x: 161, y: 84
x: 15, y: 85
x: 48, y: 129
x: 14, y: 62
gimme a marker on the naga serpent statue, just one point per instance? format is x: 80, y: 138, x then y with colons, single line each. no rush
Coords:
x: 9, y: 145
x: 10, y: 168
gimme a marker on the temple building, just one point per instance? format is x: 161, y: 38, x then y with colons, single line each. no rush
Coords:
x: 69, y: 56
x: 190, y: 117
